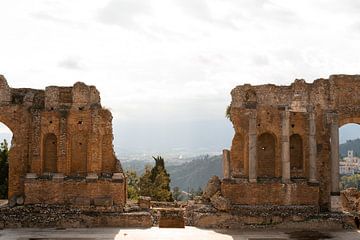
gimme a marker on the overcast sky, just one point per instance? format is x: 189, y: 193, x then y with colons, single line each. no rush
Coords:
x: 166, y: 68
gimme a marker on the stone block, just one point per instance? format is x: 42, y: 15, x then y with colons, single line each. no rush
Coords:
x: 220, y: 203
x: 12, y: 201
x: 20, y: 200
x: 144, y: 202
x: 118, y: 177
x: 103, y: 201
x: 82, y: 201
x: 92, y: 176
x: 335, y: 204
x: 171, y: 218
x: 58, y: 177
x: 30, y: 176
x: 212, y: 187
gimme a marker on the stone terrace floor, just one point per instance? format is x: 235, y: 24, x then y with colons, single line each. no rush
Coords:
x: 171, y: 233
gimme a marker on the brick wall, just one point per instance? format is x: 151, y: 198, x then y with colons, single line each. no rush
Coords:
x: 76, y: 192
x: 247, y: 193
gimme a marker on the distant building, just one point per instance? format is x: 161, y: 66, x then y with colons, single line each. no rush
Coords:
x: 350, y: 164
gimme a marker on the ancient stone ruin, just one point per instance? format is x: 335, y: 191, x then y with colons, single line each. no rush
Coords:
x: 283, y: 166
x: 285, y: 150
x: 61, y: 151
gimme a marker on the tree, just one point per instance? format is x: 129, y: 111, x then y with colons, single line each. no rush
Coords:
x: 133, y: 184
x: 155, y: 182
x: 4, y: 170
x: 145, y: 184
x: 350, y: 181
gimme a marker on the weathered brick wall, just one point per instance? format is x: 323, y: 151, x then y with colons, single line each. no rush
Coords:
x: 75, y: 192
x: 63, y: 216
x: 276, y: 193
x: 80, y: 143
x: 336, y: 95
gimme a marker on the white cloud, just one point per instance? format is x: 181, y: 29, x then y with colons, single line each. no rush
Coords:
x: 70, y: 63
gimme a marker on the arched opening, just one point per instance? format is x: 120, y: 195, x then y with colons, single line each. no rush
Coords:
x: 349, y: 156
x: 5, y: 144
x: 50, y: 153
x: 296, y: 155
x: 266, y: 155
x: 79, y: 154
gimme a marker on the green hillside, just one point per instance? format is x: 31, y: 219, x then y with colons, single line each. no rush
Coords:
x: 195, y: 174
x: 188, y: 175
x: 350, y: 145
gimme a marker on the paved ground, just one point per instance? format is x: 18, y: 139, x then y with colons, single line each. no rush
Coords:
x: 191, y: 233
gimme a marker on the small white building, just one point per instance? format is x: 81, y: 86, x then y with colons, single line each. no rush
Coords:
x: 350, y: 164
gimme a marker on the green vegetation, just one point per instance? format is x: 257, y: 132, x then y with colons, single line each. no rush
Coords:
x: 133, y: 184
x: 4, y: 170
x: 352, y: 181
x: 227, y: 112
x: 193, y: 174
x: 155, y: 182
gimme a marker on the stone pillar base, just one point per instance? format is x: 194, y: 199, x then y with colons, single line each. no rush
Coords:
x: 335, y: 204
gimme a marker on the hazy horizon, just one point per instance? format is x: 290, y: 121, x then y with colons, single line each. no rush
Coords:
x: 186, y: 141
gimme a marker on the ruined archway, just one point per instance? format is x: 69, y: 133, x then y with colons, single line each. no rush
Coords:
x: 5, y: 146
x: 12, y: 117
x: 266, y: 155
x: 314, y: 111
x: 349, y: 155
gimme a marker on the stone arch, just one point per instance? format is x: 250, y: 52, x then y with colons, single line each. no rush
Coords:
x: 79, y: 147
x: 237, y: 155
x: 266, y: 145
x: 296, y: 153
x: 50, y: 155
x: 346, y: 120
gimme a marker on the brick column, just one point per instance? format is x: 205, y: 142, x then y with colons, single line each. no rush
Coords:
x: 226, y: 164
x: 285, y: 145
x: 252, y: 147
x: 312, y: 147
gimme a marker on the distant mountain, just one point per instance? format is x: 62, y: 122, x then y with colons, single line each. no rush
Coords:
x: 350, y: 145
x: 188, y: 175
x: 195, y: 174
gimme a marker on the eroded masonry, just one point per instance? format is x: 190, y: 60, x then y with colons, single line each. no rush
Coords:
x: 285, y: 147
x: 61, y: 150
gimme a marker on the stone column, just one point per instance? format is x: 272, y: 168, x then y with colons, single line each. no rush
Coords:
x: 252, y: 147
x: 226, y: 164
x: 312, y: 147
x: 335, y: 189
x: 285, y: 145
